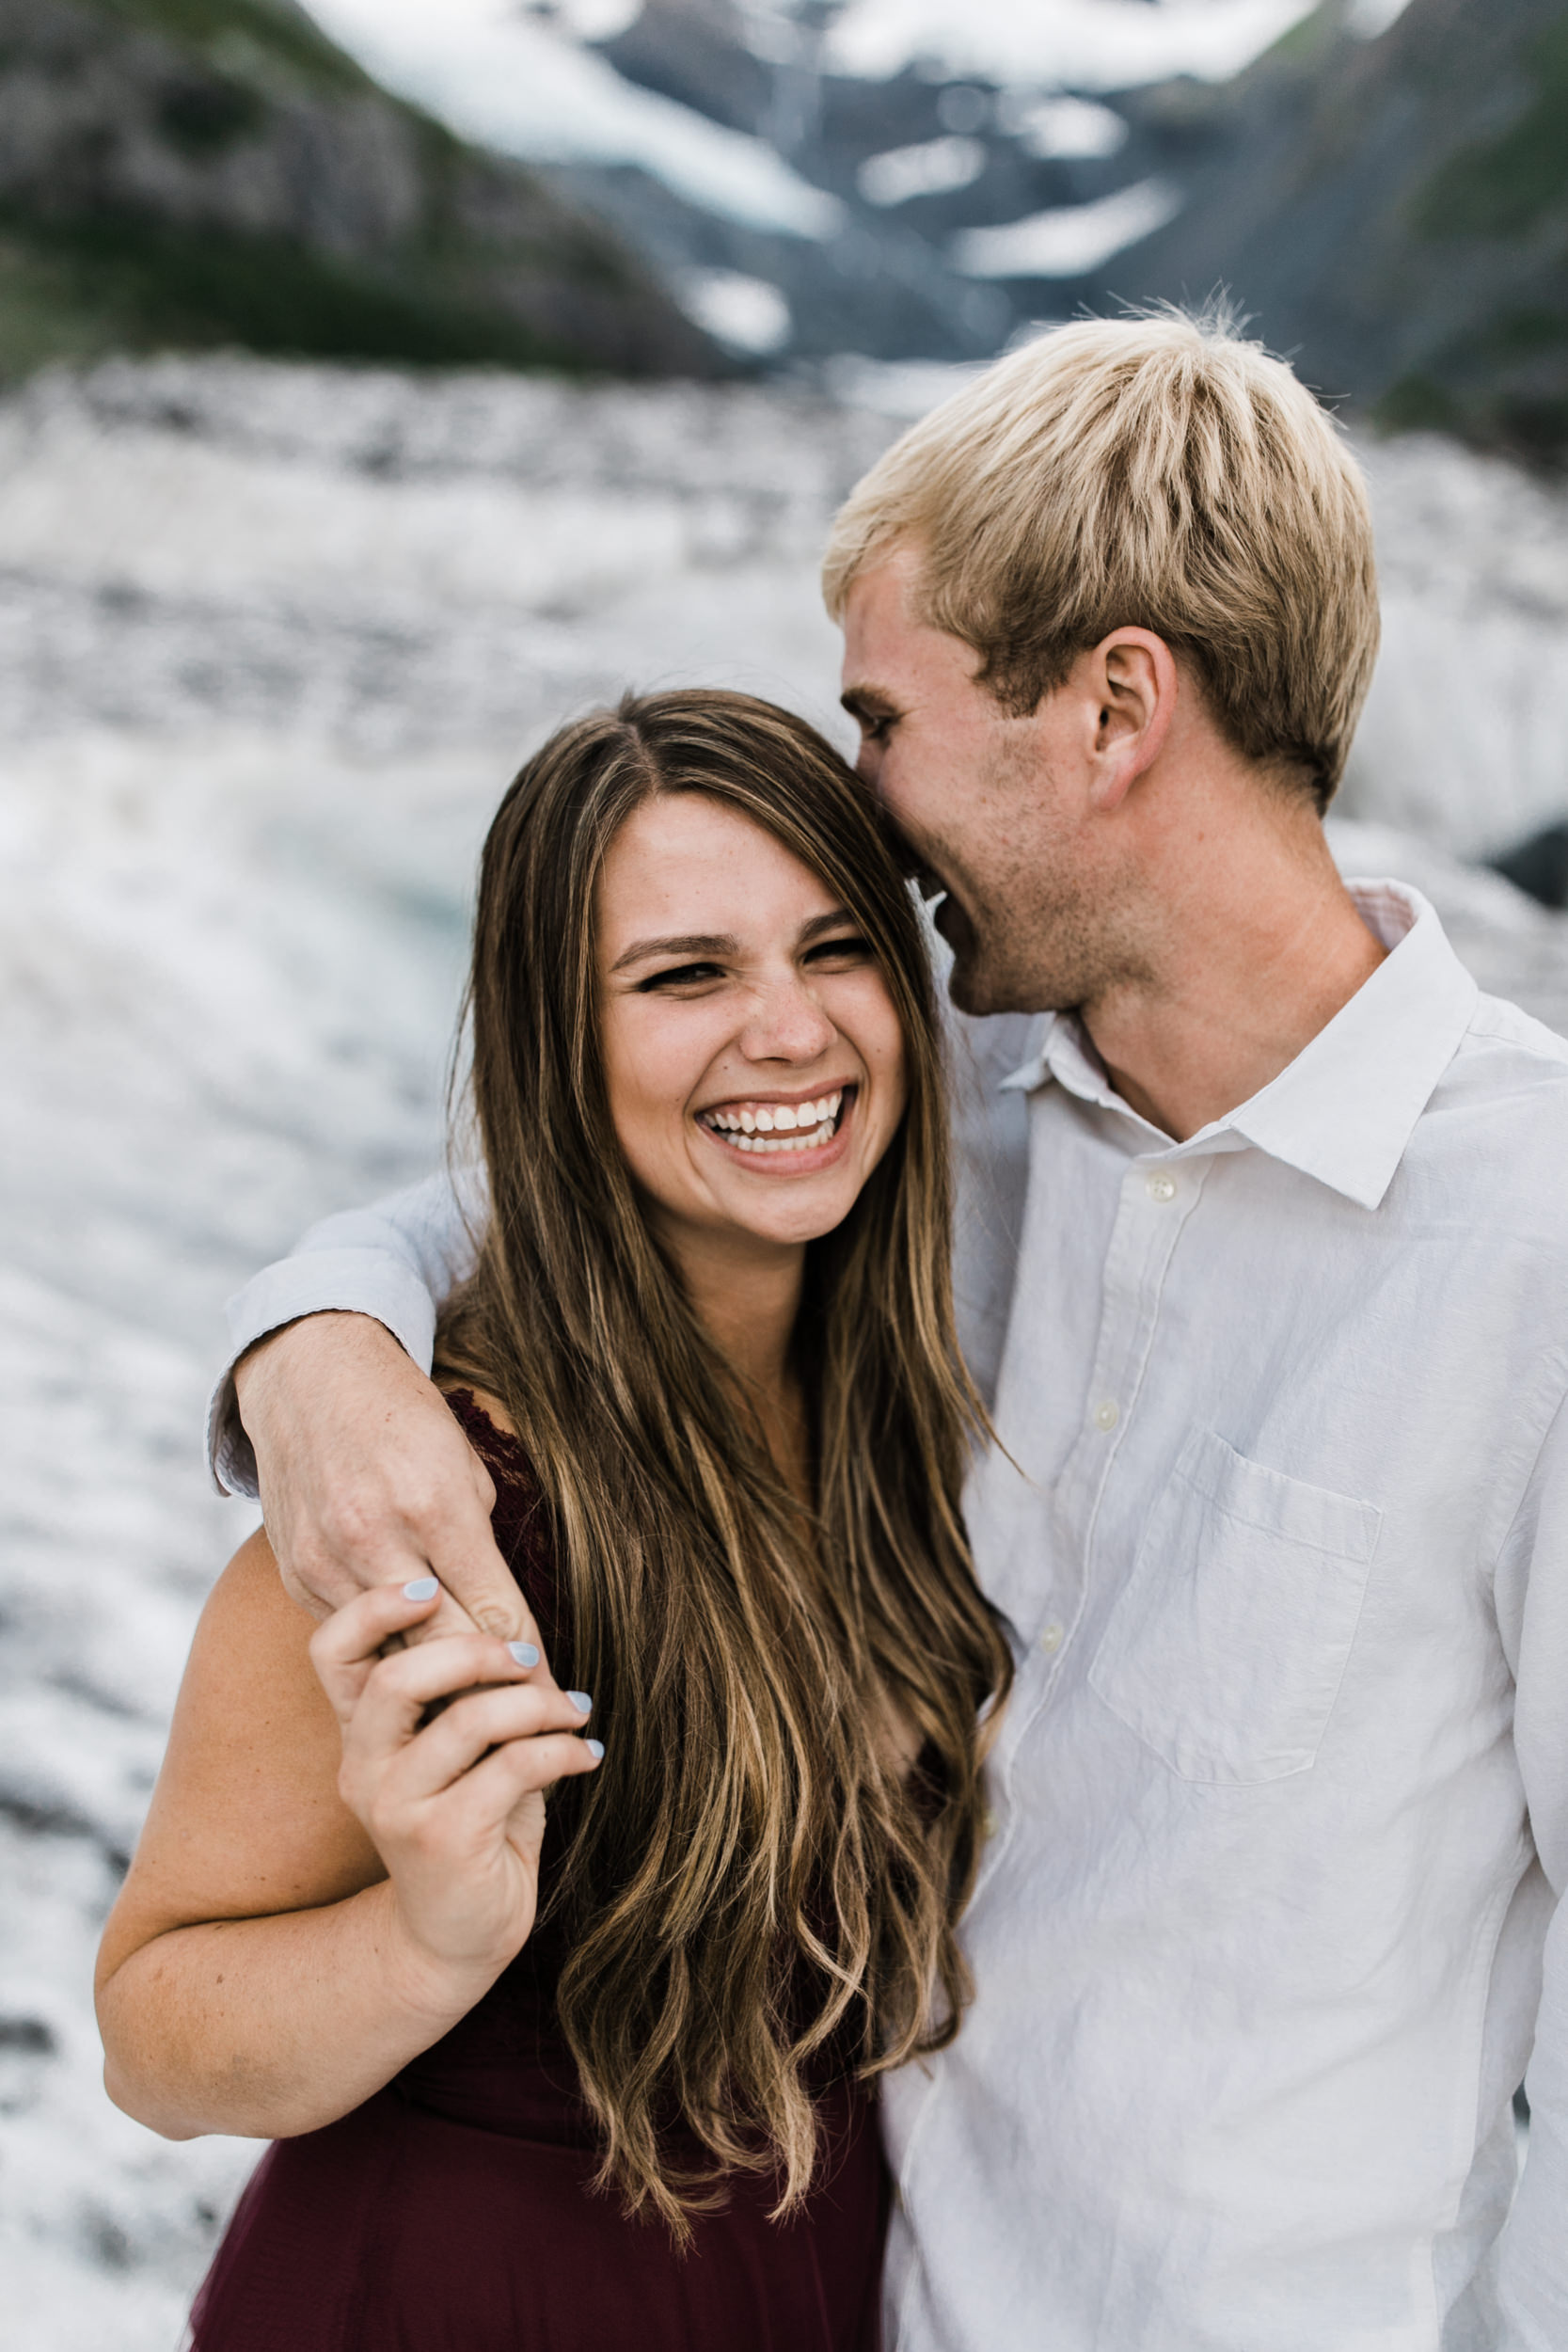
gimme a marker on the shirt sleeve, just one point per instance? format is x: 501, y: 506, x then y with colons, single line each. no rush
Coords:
x: 396, y: 1261
x: 1532, y: 1609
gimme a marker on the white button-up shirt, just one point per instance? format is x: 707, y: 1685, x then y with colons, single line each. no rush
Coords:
x: 1281, y: 1798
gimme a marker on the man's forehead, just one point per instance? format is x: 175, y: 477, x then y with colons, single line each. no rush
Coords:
x: 891, y: 654
x: 882, y: 591
x: 882, y: 636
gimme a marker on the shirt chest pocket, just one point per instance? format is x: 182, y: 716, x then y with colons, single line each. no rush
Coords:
x: 1226, y: 1649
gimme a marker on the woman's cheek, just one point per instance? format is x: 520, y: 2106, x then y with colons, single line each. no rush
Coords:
x: 874, y: 1029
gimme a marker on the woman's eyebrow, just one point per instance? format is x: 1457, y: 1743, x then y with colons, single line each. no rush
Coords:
x: 820, y: 923
x: 687, y: 944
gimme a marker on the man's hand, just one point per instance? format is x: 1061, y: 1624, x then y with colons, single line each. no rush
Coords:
x: 366, y: 1477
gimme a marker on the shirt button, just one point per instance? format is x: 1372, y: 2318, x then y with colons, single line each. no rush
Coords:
x: 989, y: 1823
x: 1160, y: 1186
x: 1051, y: 1639
x: 1107, y: 1414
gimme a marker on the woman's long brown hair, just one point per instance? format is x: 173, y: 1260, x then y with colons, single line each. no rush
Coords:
x: 747, y: 1876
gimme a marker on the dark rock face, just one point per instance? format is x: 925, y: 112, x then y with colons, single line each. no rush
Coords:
x: 692, y: 51
x: 200, y: 171
x: 1394, y: 213
x: 1539, y: 866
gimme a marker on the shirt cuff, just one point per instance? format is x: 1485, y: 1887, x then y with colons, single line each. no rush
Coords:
x: 314, y: 1282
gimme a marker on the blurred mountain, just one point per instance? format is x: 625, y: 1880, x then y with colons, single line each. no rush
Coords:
x: 815, y: 178
x: 198, y: 172
x: 688, y: 186
x: 1392, y: 212
x: 898, y: 180
x: 915, y: 156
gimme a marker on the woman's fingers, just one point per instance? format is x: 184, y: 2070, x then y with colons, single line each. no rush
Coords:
x: 345, y: 1646
x: 488, y: 1795
x: 449, y: 1747
x: 347, y: 1651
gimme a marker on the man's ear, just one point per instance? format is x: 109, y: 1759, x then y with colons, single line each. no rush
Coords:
x: 1132, y: 677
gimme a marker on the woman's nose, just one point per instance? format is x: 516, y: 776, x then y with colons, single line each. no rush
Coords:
x: 787, y: 1024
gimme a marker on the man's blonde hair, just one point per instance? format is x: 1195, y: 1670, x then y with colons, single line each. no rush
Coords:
x: 1159, y: 471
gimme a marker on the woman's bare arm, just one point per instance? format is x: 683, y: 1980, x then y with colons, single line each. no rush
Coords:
x: 325, y: 1883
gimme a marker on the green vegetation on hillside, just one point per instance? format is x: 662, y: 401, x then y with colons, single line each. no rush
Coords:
x: 1393, y: 212
x: 219, y: 30
x: 190, y: 173
x: 1502, y: 186
x: 71, y: 289
x: 1503, y: 378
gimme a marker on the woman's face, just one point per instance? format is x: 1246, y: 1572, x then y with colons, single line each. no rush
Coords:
x: 752, y: 1055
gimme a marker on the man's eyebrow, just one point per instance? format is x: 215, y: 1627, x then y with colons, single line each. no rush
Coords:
x: 685, y: 944
x: 855, y: 699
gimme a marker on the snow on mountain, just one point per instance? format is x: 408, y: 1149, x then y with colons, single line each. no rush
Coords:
x: 517, y: 83
x: 1069, y: 239
x: 274, y: 638
x: 1060, y: 44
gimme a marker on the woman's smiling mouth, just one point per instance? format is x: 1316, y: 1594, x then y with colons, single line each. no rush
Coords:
x: 772, y: 1128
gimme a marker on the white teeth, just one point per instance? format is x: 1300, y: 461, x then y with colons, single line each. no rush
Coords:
x: 779, y: 1126
x: 792, y: 1143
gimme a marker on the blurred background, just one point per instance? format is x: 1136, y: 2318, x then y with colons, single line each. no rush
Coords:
x: 382, y: 382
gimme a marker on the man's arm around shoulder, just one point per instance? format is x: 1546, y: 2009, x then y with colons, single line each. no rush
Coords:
x: 326, y: 1409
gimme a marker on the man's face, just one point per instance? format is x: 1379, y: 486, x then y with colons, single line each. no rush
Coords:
x: 992, y: 808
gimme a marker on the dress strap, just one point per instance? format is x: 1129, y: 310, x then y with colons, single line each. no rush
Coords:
x: 520, y: 1520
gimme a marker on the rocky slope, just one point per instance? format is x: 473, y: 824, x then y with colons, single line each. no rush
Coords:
x: 1394, y: 212
x: 192, y: 173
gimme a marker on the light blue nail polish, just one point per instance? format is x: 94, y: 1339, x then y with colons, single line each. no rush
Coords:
x: 524, y: 1652
x: 594, y: 1747
x: 422, y: 1588
x: 581, y: 1701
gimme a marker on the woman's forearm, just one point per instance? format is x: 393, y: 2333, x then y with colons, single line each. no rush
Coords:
x: 265, y: 2028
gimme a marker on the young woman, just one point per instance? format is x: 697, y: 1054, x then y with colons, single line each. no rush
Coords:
x: 543, y: 2080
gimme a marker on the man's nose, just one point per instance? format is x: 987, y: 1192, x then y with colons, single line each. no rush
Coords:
x: 787, y: 1024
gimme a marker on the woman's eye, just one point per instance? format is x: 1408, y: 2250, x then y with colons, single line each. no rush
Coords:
x: 851, y: 948
x: 679, y: 976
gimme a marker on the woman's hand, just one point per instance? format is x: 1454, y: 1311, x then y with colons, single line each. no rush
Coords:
x: 454, y: 1804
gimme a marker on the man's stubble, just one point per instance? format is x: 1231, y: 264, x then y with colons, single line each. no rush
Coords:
x: 1031, y: 926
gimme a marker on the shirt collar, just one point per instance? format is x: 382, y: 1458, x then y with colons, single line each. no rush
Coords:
x: 1344, y: 1110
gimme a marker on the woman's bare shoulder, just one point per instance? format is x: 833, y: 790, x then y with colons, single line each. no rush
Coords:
x: 246, y: 1817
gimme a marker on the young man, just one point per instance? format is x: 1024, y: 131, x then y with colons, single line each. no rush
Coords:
x: 1266, y: 1262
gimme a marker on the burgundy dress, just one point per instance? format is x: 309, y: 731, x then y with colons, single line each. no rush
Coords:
x: 451, y: 2211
